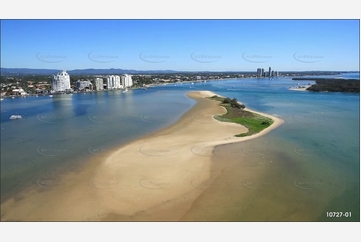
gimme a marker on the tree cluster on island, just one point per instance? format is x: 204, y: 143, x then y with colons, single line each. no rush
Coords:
x: 234, y: 103
x: 254, y: 122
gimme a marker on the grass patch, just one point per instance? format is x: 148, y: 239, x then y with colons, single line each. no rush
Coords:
x: 255, y: 123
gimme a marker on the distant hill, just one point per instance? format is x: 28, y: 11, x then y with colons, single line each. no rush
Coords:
x: 115, y: 71
x: 27, y: 71
x: 112, y: 71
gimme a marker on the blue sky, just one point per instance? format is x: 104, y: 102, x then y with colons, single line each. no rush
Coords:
x: 184, y: 45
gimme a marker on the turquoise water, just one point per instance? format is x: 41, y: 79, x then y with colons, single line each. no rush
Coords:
x: 298, y: 172
x: 318, y: 145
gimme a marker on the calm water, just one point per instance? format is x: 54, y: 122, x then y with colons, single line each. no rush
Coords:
x: 313, y: 156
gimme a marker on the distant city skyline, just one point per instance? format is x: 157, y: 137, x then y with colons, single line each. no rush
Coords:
x: 271, y: 73
x: 181, y: 45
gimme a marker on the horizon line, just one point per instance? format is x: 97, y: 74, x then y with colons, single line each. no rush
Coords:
x: 90, y: 68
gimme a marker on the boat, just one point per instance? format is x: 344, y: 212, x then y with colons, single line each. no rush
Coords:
x: 125, y: 90
x: 15, y: 117
x: 50, y: 95
x: 2, y: 99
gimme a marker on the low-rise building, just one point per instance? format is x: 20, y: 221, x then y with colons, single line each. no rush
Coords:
x: 82, y: 85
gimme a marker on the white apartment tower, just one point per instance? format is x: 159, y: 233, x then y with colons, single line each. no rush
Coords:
x: 110, y: 82
x: 99, y: 85
x: 117, y: 84
x: 113, y: 82
x: 127, y: 81
x: 60, y: 82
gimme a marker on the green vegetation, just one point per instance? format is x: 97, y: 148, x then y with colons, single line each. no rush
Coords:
x: 233, y: 103
x: 255, y: 123
x: 333, y: 84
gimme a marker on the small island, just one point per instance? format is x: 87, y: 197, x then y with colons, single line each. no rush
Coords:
x: 255, y: 123
x: 332, y: 84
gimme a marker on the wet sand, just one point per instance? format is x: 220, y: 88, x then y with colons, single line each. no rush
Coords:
x: 155, y: 178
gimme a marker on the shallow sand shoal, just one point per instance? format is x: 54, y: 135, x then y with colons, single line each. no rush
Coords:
x: 156, y: 177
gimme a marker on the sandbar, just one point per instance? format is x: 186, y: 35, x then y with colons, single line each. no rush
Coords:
x: 154, y: 178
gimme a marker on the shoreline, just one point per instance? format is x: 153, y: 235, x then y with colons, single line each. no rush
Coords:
x: 276, y: 121
x: 153, y: 178
x: 298, y: 89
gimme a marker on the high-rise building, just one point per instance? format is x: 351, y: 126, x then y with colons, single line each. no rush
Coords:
x: 269, y: 72
x: 99, y: 84
x: 60, y: 82
x: 122, y: 79
x: 117, y: 83
x: 262, y: 72
x: 110, y: 82
x: 259, y: 72
x: 113, y: 82
x: 127, y: 81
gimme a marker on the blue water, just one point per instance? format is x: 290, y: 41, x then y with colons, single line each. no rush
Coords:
x: 312, y: 160
x: 61, y: 134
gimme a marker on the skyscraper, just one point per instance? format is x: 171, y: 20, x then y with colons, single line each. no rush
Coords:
x: 127, y: 81
x: 117, y: 84
x: 110, y: 82
x: 99, y: 85
x: 113, y: 82
x: 259, y: 72
x: 60, y: 82
x: 269, y: 72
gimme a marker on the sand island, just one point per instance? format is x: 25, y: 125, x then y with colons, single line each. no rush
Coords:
x: 154, y: 178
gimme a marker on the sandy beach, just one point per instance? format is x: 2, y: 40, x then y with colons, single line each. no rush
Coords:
x: 154, y: 178
x: 298, y: 88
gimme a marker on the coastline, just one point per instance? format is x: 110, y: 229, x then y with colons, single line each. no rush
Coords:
x: 298, y: 89
x: 154, y: 178
x: 276, y: 121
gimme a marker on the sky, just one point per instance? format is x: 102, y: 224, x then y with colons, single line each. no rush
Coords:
x: 182, y: 45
